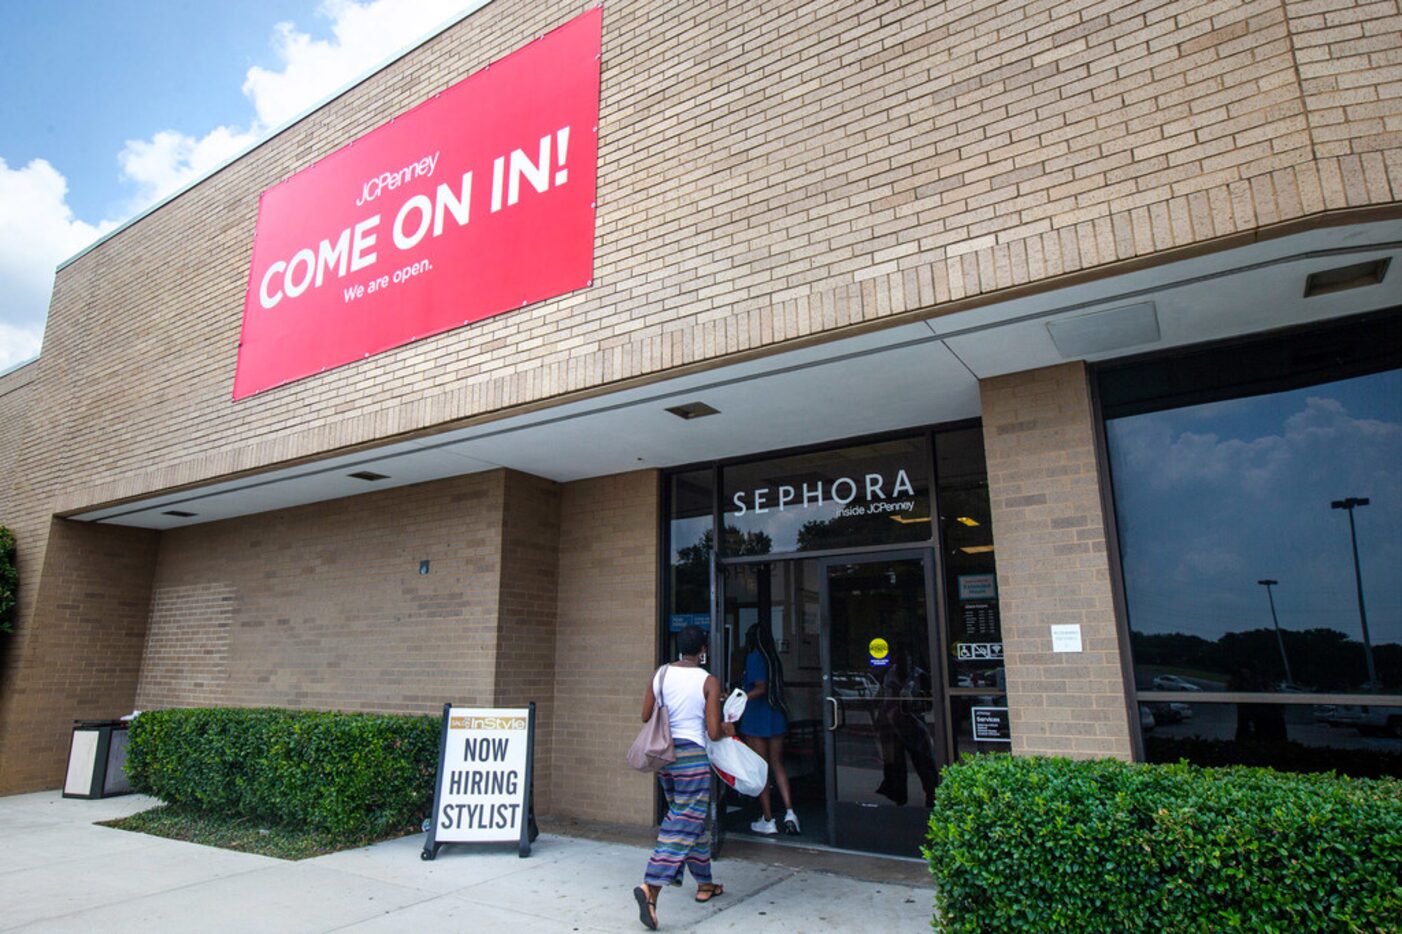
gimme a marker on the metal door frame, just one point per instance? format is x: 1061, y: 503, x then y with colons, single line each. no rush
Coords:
x: 832, y: 705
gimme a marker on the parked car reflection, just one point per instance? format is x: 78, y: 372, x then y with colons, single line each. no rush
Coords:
x: 1369, y: 721
x: 854, y: 684
x: 1166, y: 712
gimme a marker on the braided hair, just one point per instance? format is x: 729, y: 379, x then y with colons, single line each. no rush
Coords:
x: 760, y: 639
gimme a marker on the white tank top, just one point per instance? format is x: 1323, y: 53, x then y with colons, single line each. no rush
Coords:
x: 684, y: 693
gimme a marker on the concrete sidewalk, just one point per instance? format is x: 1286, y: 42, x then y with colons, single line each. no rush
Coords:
x: 60, y: 872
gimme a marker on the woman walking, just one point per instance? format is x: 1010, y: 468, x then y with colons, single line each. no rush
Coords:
x: 692, y: 698
x: 765, y: 721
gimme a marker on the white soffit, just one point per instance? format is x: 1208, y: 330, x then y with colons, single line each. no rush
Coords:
x: 904, y: 376
x: 1249, y: 290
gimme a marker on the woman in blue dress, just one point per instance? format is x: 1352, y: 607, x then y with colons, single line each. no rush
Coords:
x: 765, y: 721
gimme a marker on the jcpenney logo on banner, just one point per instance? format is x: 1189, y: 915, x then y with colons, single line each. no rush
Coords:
x: 419, y: 217
x: 477, y: 202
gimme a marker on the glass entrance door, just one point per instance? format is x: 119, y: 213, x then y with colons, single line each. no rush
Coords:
x: 882, y: 700
x: 781, y: 596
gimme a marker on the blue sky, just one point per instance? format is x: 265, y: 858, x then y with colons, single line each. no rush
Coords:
x: 1213, y: 498
x: 111, y: 106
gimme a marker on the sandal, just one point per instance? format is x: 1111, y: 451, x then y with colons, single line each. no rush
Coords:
x: 647, y: 908
x: 708, y: 890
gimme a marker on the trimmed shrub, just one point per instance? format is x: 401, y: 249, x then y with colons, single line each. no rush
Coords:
x: 9, y: 580
x: 1035, y: 844
x: 357, y: 775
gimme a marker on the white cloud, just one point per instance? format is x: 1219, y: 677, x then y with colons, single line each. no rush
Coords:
x: 37, y: 227
x: 1203, y: 515
x: 37, y: 232
x: 363, y: 34
x: 169, y: 160
x: 18, y: 344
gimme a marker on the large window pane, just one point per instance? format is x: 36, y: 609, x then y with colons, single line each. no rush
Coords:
x: 1362, y: 741
x: 689, y: 537
x: 870, y: 494
x: 971, y: 592
x: 1239, y: 571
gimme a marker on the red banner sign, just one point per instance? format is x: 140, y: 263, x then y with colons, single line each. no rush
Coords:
x: 476, y: 202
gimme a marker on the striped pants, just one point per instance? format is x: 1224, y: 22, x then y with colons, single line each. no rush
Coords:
x: 682, y: 839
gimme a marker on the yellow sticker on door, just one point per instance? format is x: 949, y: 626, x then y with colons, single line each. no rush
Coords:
x: 878, y: 648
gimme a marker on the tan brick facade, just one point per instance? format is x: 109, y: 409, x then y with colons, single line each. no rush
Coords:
x: 876, y: 162
x: 78, y: 656
x: 1044, y: 488
x: 769, y: 175
x: 605, y: 645
x: 323, y: 607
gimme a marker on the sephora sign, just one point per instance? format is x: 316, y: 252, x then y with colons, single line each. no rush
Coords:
x: 476, y: 202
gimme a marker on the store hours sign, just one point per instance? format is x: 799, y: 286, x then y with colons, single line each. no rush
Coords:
x: 476, y: 202
x: 483, y: 789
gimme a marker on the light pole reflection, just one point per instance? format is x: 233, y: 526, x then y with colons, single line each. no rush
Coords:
x: 1349, y: 505
x: 1280, y: 640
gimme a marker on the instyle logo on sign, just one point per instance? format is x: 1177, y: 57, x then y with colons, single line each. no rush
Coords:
x: 476, y: 202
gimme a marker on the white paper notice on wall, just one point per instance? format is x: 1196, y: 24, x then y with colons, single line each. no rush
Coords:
x: 1066, y: 638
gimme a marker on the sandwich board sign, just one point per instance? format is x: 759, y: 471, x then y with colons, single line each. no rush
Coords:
x: 483, y: 791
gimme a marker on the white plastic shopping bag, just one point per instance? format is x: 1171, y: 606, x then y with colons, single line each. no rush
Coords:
x: 735, y: 705
x: 738, y: 765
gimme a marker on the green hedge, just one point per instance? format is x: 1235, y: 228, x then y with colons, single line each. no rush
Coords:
x: 1034, y: 844
x: 9, y: 580
x: 358, y: 775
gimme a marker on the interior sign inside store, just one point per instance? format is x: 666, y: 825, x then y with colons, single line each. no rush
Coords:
x: 990, y: 724
x: 476, y: 202
x: 483, y: 791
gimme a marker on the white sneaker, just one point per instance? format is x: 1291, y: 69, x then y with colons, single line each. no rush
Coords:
x: 763, y: 826
x: 791, y: 823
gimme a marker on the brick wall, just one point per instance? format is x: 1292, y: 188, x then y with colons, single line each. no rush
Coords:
x: 605, y: 645
x: 862, y: 163
x: 16, y: 395
x: 526, y: 625
x: 323, y: 606
x: 1349, y: 57
x: 768, y: 174
x: 79, y: 656
x: 1052, y: 564
x: 186, y: 658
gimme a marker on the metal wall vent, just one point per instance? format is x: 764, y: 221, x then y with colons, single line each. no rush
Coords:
x: 1341, y: 278
x: 1104, y: 331
x: 693, y: 410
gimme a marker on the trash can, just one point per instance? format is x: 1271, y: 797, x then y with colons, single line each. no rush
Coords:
x: 96, y: 757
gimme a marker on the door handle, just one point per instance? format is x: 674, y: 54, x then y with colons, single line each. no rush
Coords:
x: 836, y: 713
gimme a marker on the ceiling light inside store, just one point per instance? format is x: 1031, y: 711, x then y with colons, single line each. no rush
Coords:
x: 178, y: 513
x: 1103, y: 331
x: 1346, y: 277
x: 976, y: 549
x: 904, y: 521
x: 693, y: 410
x: 965, y: 520
x: 368, y: 475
